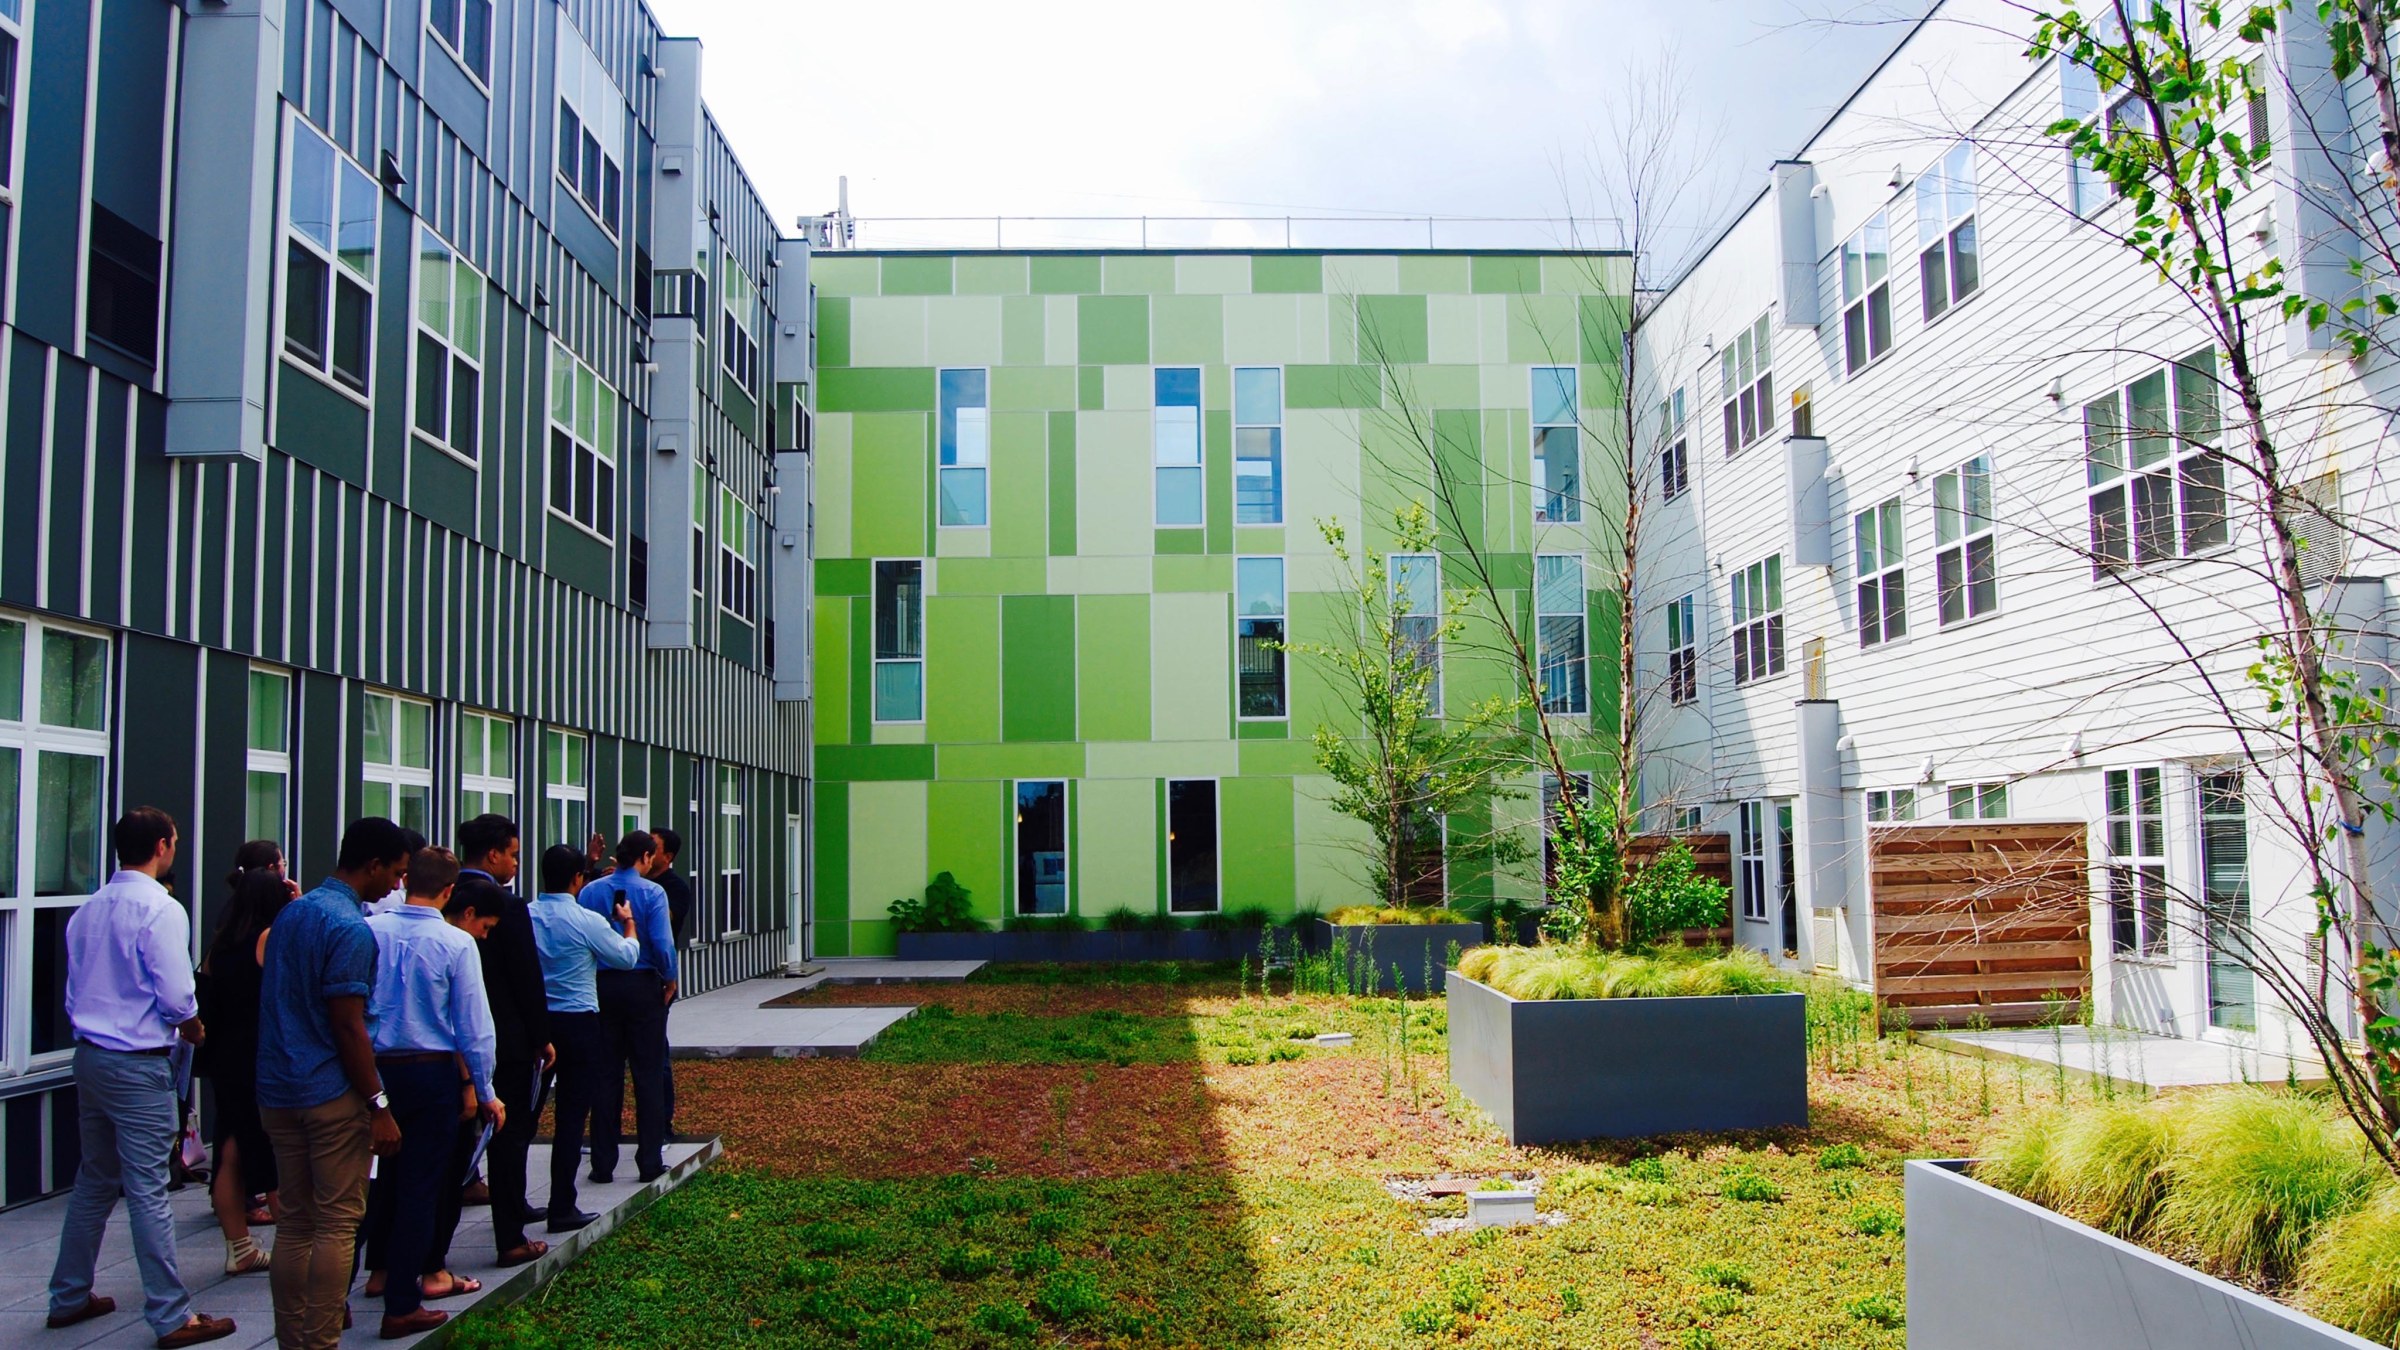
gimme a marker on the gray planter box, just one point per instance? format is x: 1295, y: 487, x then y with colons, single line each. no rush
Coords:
x: 1620, y: 1068
x: 1499, y: 1209
x: 1990, y: 1271
x: 1420, y: 950
x: 1190, y: 944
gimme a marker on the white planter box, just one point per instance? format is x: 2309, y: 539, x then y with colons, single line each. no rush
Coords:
x: 1490, y: 1209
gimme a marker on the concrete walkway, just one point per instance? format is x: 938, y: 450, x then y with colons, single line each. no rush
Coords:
x: 735, y: 1023
x: 886, y: 970
x: 2134, y: 1056
x: 29, y: 1243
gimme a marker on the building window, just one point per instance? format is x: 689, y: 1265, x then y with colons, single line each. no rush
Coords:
x: 2157, y: 482
x: 1674, y: 457
x: 1577, y: 786
x: 2079, y: 99
x: 1758, y: 620
x: 739, y: 351
x: 330, y: 208
x: 1559, y: 635
x: 1887, y: 805
x: 1258, y: 638
x: 1557, y: 457
x: 1948, y: 266
x: 1416, y: 580
x: 1882, y: 574
x: 1192, y: 845
x: 8, y: 104
x: 1258, y: 445
x: 566, y: 791
x: 737, y: 581
x: 700, y: 499
x: 1745, y: 371
x: 487, y: 765
x: 54, y: 769
x: 1041, y: 827
x: 583, y: 445
x: 1750, y: 859
x: 900, y: 641
x: 591, y: 126
x: 449, y: 370
x: 1867, y: 294
x: 1175, y: 437
x: 121, y: 289
x: 464, y: 28
x: 2137, y: 860
x: 1978, y: 801
x: 2225, y: 887
x: 1683, y: 649
x: 1965, y: 572
x: 633, y: 813
x: 966, y: 449
x: 396, y: 760
x: 267, y: 788
x: 730, y: 857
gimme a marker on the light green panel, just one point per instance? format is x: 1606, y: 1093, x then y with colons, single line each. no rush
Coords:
x: 1112, y: 483
x: 1118, y: 839
x: 1112, y: 329
x: 1033, y: 389
x: 1020, y: 487
x: 1137, y: 273
x: 1191, y: 658
x: 917, y: 274
x: 1265, y: 538
x: 1522, y: 816
x: 1506, y: 273
x: 887, y: 498
x: 962, y: 667
x: 1320, y: 470
x: 896, y: 733
x: 1509, y: 387
x: 845, y: 274
x: 1165, y: 759
x: 830, y: 615
x: 1212, y: 274
x: 1584, y: 276
x: 967, y: 836
x: 990, y: 576
x: 1330, y: 860
x: 1022, y: 327
x: 962, y: 330
x: 1342, y: 332
x: 1262, y: 329
x: 1442, y: 387
x: 887, y: 331
x: 1391, y: 331
x: 1287, y: 272
x: 1318, y: 697
x: 1064, y: 274
x: 1362, y: 274
x: 1541, y: 330
x: 1259, y: 813
x: 1434, y: 273
x: 1128, y: 388
x: 988, y: 274
x: 1100, y: 576
x: 963, y: 541
x: 1493, y: 325
x: 1192, y: 572
x: 1267, y: 758
x: 1187, y: 329
x: 831, y: 485
x: 1312, y: 313
x: 887, y: 845
x: 1058, y: 323
x: 1112, y: 664
x: 1454, y: 329
x: 1023, y: 759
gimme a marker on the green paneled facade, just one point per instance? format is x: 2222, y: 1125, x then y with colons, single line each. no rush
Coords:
x: 1066, y: 452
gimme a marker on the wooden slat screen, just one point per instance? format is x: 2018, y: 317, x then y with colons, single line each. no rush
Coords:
x: 1982, y: 919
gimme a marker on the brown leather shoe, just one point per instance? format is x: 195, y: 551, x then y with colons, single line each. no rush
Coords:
x: 96, y: 1305
x: 409, y: 1324
x: 202, y: 1327
x: 477, y: 1192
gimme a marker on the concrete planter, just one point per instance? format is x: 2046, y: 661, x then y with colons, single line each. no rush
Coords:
x: 1498, y: 1209
x: 1621, y: 1068
x: 1420, y: 950
x: 1189, y: 944
x: 1990, y: 1271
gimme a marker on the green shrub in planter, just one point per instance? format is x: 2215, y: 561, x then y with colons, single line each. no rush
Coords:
x: 1574, y: 970
x: 946, y: 908
x: 2102, y: 1165
x: 2351, y: 1275
x: 2253, y: 1176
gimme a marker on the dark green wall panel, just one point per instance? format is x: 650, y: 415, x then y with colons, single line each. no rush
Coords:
x: 1037, y: 667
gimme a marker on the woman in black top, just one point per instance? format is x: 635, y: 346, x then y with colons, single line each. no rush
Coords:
x: 229, y: 991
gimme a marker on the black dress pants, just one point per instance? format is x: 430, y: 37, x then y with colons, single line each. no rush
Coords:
x: 516, y: 1081
x: 633, y: 1010
x: 583, y: 1064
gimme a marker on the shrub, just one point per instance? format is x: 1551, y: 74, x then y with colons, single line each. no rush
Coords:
x: 1250, y: 917
x: 945, y: 909
x: 1049, y: 1223
x: 1426, y: 1319
x: 1556, y: 971
x: 1465, y: 1288
x: 2351, y: 1275
x: 1646, y: 1169
x: 1720, y: 1302
x: 1008, y: 1320
x: 1841, y: 1156
x: 1070, y: 1296
x: 1749, y: 1186
x: 2254, y: 1175
x: 1283, y: 1050
x: 1122, y: 920
x: 1875, y: 1220
x: 1034, y: 1260
x: 830, y: 1239
x: 1241, y: 1054
x: 1700, y: 1338
x: 1668, y: 896
x: 1726, y: 1275
x: 1496, y: 1184
x: 971, y: 1261
x: 1881, y: 1309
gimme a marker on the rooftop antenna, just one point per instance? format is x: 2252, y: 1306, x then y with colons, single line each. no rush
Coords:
x: 836, y: 228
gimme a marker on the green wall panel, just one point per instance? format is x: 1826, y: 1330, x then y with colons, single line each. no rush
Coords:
x: 1062, y: 483
x: 874, y: 763
x: 1037, y: 668
x: 962, y: 668
x: 887, y: 493
x: 990, y: 576
x: 887, y: 854
x: 1113, y: 329
x: 1033, y: 759
x: 1113, y: 667
x: 1343, y: 386
x: 1069, y: 275
x: 1391, y: 328
x: 875, y: 389
x: 1213, y: 573
x: 1020, y: 486
x: 1118, y: 834
x: 832, y: 620
x: 1507, y: 275
x: 917, y: 275
x: 830, y: 841
x: 1024, y: 333
x: 1171, y: 542
x: 966, y: 835
x: 1287, y: 272
x: 1255, y: 826
x: 1033, y: 389
x: 1188, y: 328
x: 844, y: 576
x: 1001, y: 274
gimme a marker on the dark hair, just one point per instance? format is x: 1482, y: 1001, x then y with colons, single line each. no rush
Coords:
x: 634, y: 847
x: 431, y: 871
x: 561, y: 864
x: 254, y: 856
x: 484, y: 836
x: 371, y: 840
x: 258, y: 895
x: 415, y: 840
x: 139, y: 834
x: 669, y: 842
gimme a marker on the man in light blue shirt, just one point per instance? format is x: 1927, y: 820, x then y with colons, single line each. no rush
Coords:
x: 633, y: 1009
x: 574, y: 942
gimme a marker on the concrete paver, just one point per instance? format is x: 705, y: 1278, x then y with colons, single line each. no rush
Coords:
x: 2136, y: 1056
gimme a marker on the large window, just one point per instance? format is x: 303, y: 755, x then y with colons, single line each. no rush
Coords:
x: 1867, y: 294
x: 1965, y: 570
x: 1674, y: 448
x: 487, y: 765
x: 267, y: 785
x: 966, y: 448
x: 1750, y: 859
x: 1978, y: 801
x: 1258, y: 638
x: 1758, y: 620
x: 566, y: 790
x: 54, y: 749
x: 1192, y: 845
x: 9, y: 38
x: 739, y: 350
x: 1683, y: 649
x: 1948, y: 266
x: 1577, y: 786
x: 737, y: 580
x: 1182, y: 497
x: 1258, y: 445
x: 2225, y: 885
x: 465, y: 28
x: 1557, y: 455
x: 1041, y: 828
x: 1416, y: 580
x: 1560, y: 650
x: 583, y: 444
x: 1745, y: 372
x: 449, y: 370
x: 2079, y: 98
x: 900, y: 640
x: 2137, y: 860
x: 1882, y: 574
x: 2157, y: 482
x: 121, y: 288
x: 396, y: 760
x: 734, y: 916
x: 330, y: 207
x: 591, y: 127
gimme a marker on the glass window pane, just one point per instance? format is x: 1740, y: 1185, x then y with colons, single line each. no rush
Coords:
x: 2196, y: 398
x: 1862, y: 527
x: 416, y: 808
x: 360, y: 200
x: 562, y: 386
x: 1553, y: 395
x: 12, y: 670
x: 1258, y: 476
x: 899, y: 691
x: 1560, y: 474
x: 1945, y: 508
x: 1258, y: 586
x: 466, y: 319
x: 1258, y: 395
x: 899, y: 609
x: 1181, y: 498
x: 312, y: 186
x: 1258, y: 666
x: 67, y: 812
x: 1417, y: 583
x: 1191, y: 846
x: 554, y: 753
x: 11, y: 811
x: 51, y: 1030
x: 1958, y: 172
x: 574, y: 757
x: 376, y: 718
x: 1930, y: 221
x: 1178, y: 434
x: 269, y: 716
x: 353, y: 312
x: 2146, y: 400
x: 973, y: 438
x: 1879, y: 249
x: 262, y: 806
x: 1176, y: 387
x: 963, y: 498
x: 74, y: 676
x: 416, y: 735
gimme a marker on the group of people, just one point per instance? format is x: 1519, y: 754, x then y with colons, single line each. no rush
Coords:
x: 403, y: 1021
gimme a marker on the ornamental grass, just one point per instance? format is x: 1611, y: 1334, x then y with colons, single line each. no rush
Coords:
x: 2351, y: 1274
x: 1572, y: 970
x: 1389, y: 914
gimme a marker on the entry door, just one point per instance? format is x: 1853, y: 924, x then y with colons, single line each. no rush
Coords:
x: 804, y: 923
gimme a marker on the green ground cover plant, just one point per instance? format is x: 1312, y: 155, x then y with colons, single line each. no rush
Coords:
x: 1574, y: 970
x: 1371, y: 914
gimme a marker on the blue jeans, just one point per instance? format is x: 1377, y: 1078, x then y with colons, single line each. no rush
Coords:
x: 127, y: 1103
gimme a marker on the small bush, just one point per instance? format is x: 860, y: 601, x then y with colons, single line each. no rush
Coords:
x: 1426, y: 1319
x: 1749, y: 1186
x: 1241, y: 1054
x: 1700, y: 1338
x: 1875, y: 1220
x: 1720, y: 1302
x: 1570, y: 1300
x: 1302, y: 1031
x: 2254, y: 1175
x: 1283, y: 1050
x: 1881, y: 1309
x: 1726, y: 1275
x: 1646, y: 1169
x: 946, y: 908
x: 2351, y: 1275
x: 1496, y: 1184
x: 1008, y: 1320
x: 972, y: 1261
x: 1070, y: 1296
x: 1652, y: 1194
x: 1034, y: 1260
x: 1840, y: 1157
x: 830, y: 1239
x: 808, y: 1274
x: 1048, y: 1223
x: 1465, y: 1288
x: 1556, y: 971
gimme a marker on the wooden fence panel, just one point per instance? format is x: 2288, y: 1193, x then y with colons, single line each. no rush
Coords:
x: 1985, y: 919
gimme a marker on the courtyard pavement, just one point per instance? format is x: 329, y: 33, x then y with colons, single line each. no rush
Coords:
x: 740, y: 1021
x: 2135, y: 1056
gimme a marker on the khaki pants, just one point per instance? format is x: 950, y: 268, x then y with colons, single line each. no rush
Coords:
x: 322, y: 1153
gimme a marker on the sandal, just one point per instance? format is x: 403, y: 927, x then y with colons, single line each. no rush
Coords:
x: 522, y: 1253
x: 256, y: 1262
x: 459, y: 1287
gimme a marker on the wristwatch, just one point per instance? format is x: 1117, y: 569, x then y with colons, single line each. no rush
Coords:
x: 380, y: 1101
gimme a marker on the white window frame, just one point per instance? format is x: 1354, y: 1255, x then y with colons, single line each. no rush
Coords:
x: 1887, y: 806
x: 477, y: 732
x: 31, y: 736
x: 1746, y: 377
x: 1976, y: 801
x: 2079, y: 97
x: 1750, y: 859
x: 1964, y: 530
x: 733, y: 899
x: 1866, y: 268
x: 877, y: 661
x: 1418, y: 629
x: 2133, y: 840
x: 963, y: 448
x: 1563, y: 703
x: 1879, y: 554
x: 467, y: 12
x: 464, y: 280
x: 585, y: 89
x: 1675, y: 443
x: 2184, y: 477
x: 345, y: 175
x: 1556, y: 503
x: 702, y: 481
x: 591, y: 441
x: 566, y: 794
x: 633, y: 813
x: 1216, y: 800
x: 2210, y: 786
x: 1270, y: 432
x: 1066, y: 873
x: 1167, y: 450
x: 268, y: 761
x: 1946, y: 217
x: 1281, y: 618
x: 394, y: 776
x: 1683, y: 649
x: 737, y: 585
x: 19, y: 32
x: 1756, y: 606
x: 739, y: 352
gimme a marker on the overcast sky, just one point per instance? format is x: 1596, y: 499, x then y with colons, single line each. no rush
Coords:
x: 1233, y: 107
